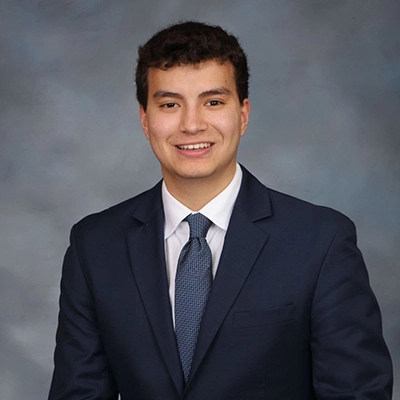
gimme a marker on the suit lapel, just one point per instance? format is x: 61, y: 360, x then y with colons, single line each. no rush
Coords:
x: 243, y: 242
x: 146, y: 249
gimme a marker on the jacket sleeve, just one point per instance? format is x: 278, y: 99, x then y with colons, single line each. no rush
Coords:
x: 81, y: 369
x: 350, y: 357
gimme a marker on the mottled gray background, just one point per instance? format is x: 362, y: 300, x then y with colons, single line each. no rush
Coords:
x: 325, y: 120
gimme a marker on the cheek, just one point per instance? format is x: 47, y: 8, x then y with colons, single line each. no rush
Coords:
x: 225, y: 123
x: 159, y: 135
x: 160, y: 129
x: 231, y: 128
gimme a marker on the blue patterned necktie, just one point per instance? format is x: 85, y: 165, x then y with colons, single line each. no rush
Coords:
x: 192, y: 288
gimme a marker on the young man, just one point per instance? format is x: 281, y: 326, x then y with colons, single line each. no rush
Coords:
x: 270, y: 301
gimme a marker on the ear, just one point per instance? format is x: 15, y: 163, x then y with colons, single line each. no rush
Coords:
x: 244, y: 114
x: 143, y: 121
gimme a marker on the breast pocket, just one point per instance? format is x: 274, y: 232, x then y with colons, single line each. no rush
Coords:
x: 260, y: 318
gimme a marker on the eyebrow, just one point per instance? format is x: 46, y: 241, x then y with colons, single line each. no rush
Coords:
x: 159, y: 94
x: 215, y: 92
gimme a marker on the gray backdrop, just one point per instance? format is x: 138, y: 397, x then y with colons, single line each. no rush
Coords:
x: 325, y: 94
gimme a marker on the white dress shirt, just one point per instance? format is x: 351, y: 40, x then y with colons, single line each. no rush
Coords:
x: 176, y: 231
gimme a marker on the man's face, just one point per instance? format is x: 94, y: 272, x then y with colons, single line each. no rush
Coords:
x: 194, y: 122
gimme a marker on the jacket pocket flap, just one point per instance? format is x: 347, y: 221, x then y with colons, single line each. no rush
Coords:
x: 254, y: 318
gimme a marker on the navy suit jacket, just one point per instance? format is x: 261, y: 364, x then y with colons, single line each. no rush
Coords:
x: 291, y: 315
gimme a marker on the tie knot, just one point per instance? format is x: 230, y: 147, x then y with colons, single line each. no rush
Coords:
x: 198, y: 224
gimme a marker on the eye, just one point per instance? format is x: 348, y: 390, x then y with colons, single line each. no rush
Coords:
x: 169, y: 105
x: 214, y: 103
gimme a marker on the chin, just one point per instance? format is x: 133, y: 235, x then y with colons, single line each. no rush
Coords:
x: 195, y: 173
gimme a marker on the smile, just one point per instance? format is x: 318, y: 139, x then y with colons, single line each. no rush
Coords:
x: 194, y: 146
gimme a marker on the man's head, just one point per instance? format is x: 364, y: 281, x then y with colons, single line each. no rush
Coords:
x: 190, y: 43
x: 192, y: 84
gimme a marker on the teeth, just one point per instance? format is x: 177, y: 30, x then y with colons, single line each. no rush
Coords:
x: 195, y: 146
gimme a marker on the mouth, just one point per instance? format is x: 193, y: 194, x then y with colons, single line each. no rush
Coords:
x: 196, y: 146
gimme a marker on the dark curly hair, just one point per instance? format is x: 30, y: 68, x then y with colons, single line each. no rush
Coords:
x: 190, y: 43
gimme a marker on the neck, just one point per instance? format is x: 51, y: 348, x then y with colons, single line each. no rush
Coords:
x: 195, y: 193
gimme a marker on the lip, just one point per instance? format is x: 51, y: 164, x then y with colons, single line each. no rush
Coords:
x: 197, y: 149
x: 194, y: 146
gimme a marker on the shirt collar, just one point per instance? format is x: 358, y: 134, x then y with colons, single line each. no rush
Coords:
x: 218, y: 210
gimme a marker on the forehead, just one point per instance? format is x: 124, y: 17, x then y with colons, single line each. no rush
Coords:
x: 200, y: 76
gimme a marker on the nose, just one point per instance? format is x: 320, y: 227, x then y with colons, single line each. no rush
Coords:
x: 192, y: 120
